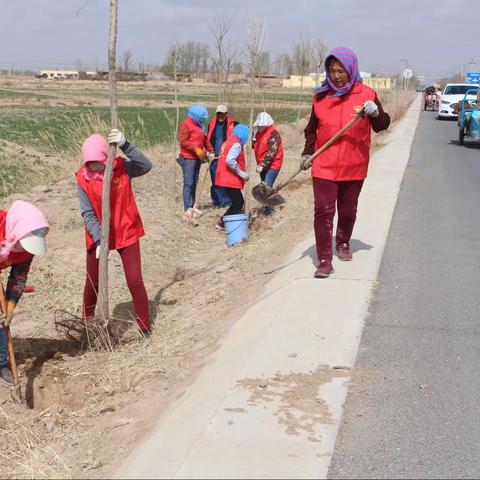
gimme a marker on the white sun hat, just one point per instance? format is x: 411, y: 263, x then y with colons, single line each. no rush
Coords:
x: 221, y: 109
x: 35, y: 242
x: 263, y: 120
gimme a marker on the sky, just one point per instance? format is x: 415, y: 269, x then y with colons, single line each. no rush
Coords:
x: 434, y: 37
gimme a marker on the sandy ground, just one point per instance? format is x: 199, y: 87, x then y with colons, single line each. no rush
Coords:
x: 87, y: 409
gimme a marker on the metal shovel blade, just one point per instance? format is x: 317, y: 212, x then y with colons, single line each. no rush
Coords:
x: 265, y: 195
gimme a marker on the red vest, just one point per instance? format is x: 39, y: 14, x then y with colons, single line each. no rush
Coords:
x: 347, y: 158
x: 15, y: 257
x: 211, y: 128
x: 226, y: 177
x: 261, y: 147
x: 126, y: 226
x: 195, y: 136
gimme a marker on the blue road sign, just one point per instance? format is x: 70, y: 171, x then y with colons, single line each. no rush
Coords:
x: 473, y: 77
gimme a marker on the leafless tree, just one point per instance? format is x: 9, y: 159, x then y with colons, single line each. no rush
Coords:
x: 190, y: 57
x: 302, y: 60
x: 255, y: 42
x: 107, y: 179
x: 319, y: 52
x: 226, y: 52
x: 127, y: 60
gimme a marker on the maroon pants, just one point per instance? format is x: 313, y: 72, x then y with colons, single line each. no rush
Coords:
x: 326, y: 194
x: 133, y: 272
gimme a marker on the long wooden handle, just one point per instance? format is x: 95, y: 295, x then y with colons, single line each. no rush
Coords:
x: 320, y: 150
x: 11, y: 353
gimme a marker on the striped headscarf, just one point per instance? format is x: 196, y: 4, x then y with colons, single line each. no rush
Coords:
x: 350, y: 63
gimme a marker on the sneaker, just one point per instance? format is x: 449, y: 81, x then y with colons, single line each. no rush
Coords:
x: 344, y: 252
x: 6, y: 376
x: 324, y: 269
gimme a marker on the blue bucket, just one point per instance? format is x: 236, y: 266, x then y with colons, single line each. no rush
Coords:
x: 236, y: 228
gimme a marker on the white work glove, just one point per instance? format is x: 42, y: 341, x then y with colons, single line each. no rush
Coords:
x: 304, y: 164
x: 259, y: 169
x: 97, y: 252
x: 370, y: 108
x: 116, y: 136
x: 244, y: 175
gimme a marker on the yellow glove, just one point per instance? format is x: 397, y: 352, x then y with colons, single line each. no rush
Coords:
x: 200, y: 153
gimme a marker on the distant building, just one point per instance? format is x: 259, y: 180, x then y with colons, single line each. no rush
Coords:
x: 84, y: 75
x: 59, y: 74
x: 311, y: 81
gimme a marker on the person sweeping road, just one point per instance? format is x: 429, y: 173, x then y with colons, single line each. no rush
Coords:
x: 220, y: 128
x: 195, y: 149
x: 231, y: 170
x: 268, y: 147
x: 339, y: 172
x: 23, y: 229
x: 126, y: 226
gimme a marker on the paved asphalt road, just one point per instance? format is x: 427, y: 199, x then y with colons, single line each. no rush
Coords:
x: 413, y: 408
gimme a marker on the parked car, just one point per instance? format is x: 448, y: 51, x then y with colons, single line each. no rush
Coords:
x: 452, y: 94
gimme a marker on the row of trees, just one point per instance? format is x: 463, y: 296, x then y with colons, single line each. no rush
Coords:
x: 226, y: 55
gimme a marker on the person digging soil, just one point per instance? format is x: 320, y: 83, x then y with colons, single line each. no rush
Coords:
x: 339, y: 172
x: 268, y: 147
x: 126, y: 226
x: 22, y: 236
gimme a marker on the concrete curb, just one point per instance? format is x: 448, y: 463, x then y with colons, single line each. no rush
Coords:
x: 269, y: 403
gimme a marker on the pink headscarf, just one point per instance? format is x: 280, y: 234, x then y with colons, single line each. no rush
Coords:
x: 94, y: 149
x: 22, y: 218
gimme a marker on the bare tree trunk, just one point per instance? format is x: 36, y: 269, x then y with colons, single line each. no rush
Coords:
x: 300, y: 98
x: 177, y: 120
x: 107, y: 178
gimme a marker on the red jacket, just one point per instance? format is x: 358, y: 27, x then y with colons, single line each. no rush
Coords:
x: 191, y: 136
x: 224, y: 176
x: 261, y: 147
x: 14, y: 258
x: 229, y: 132
x: 348, y: 157
x: 126, y: 226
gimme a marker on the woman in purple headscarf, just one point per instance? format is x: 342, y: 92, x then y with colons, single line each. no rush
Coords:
x: 338, y: 173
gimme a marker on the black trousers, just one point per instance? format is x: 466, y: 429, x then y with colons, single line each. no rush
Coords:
x: 236, y: 197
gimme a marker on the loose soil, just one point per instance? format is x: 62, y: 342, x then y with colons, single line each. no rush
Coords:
x: 86, y: 408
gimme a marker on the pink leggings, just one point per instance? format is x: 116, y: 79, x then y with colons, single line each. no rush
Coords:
x: 133, y: 272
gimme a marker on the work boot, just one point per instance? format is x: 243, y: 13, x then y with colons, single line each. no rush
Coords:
x: 344, y: 252
x: 324, y: 269
x: 6, y: 376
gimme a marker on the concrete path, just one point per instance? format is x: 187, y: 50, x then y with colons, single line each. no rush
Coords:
x: 414, y: 403
x: 269, y: 403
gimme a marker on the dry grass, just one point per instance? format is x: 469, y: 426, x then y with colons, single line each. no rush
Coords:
x: 188, y: 272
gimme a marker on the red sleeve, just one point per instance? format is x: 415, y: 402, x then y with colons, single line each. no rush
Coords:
x: 208, y: 145
x: 184, y: 138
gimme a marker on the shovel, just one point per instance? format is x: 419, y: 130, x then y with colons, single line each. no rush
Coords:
x: 11, y: 354
x: 269, y: 196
